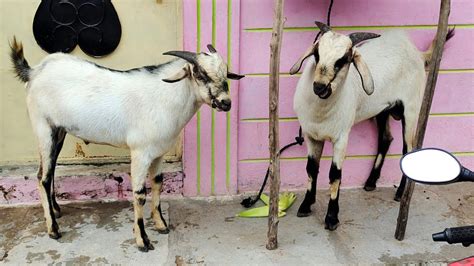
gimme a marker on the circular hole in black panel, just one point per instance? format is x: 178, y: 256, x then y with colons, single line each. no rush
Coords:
x: 90, y: 40
x: 64, y: 39
x: 64, y: 13
x: 90, y: 14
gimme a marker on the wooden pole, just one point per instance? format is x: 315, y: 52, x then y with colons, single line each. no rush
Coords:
x: 274, y: 173
x: 425, y: 111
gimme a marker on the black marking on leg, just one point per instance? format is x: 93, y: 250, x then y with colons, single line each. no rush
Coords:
x: 57, y: 209
x: 331, y: 220
x: 312, y: 169
x: 141, y: 194
x: 166, y: 230
x: 158, y: 178
x: 54, y: 234
x: 401, y: 187
x: 334, y: 173
x: 58, y: 134
x: 384, y: 140
x: 146, y: 242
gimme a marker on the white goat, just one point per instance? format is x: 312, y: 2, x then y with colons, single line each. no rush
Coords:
x: 388, y: 79
x: 138, y: 108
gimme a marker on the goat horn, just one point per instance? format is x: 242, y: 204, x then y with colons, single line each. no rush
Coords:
x: 358, y: 37
x: 211, y: 48
x: 188, y: 56
x: 322, y: 27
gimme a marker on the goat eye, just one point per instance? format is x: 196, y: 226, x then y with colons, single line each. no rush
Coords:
x: 340, y: 63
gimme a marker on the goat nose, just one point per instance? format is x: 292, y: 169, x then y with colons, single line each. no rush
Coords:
x: 226, y: 104
x: 318, y: 87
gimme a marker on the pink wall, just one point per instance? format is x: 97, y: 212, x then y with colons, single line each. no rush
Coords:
x: 227, y: 153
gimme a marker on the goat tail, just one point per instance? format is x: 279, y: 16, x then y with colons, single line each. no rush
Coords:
x: 429, y: 53
x: 20, y: 65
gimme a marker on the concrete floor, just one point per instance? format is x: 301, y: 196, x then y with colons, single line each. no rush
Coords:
x: 208, y: 233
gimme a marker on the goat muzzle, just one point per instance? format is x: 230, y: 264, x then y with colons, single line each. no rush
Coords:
x: 322, y: 90
x: 223, y: 105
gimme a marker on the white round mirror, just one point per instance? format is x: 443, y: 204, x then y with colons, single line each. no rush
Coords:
x: 430, y: 166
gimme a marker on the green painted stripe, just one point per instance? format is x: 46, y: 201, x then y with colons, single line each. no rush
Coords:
x: 229, y: 65
x: 286, y: 74
x: 198, y: 117
x: 349, y: 157
x: 293, y: 119
x: 362, y: 28
x: 213, y: 112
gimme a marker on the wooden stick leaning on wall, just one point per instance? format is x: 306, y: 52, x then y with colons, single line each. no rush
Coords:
x: 274, y: 173
x: 425, y: 111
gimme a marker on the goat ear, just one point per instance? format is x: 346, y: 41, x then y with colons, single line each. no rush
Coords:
x: 297, y: 66
x: 364, y: 72
x: 180, y: 75
x: 234, y: 76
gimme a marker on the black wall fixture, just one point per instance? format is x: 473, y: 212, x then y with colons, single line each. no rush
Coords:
x: 60, y: 25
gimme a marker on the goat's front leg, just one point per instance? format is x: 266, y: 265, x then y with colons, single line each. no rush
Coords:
x: 156, y: 183
x: 315, y: 149
x: 140, y: 166
x: 335, y: 176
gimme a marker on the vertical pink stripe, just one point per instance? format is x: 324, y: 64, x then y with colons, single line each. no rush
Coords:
x: 221, y: 118
x: 236, y: 26
x: 190, y: 142
x: 206, y: 38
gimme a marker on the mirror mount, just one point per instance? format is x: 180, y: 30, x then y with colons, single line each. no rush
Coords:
x: 466, y: 175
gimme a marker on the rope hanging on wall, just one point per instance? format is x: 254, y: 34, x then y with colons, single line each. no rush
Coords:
x: 59, y: 25
x: 249, y: 202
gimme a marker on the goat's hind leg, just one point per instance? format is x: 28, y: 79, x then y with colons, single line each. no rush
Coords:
x: 409, y: 127
x: 50, y: 142
x: 156, y: 180
x: 140, y: 165
x: 384, y: 140
x: 315, y: 149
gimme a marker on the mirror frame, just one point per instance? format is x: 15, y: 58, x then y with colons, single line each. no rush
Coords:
x: 432, y: 183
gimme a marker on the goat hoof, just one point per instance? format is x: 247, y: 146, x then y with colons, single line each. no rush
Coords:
x: 303, y: 213
x: 163, y: 231
x: 304, y: 210
x: 331, y: 227
x: 397, y: 198
x: 369, y: 188
x: 331, y: 223
x: 57, y: 214
x: 147, y: 246
x: 54, y: 235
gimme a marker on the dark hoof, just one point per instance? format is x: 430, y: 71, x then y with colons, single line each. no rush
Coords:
x: 55, y: 235
x: 331, y: 227
x: 397, y: 198
x: 163, y: 231
x: 369, y: 188
x: 331, y: 223
x: 304, y: 210
x: 303, y: 214
x: 148, y: 246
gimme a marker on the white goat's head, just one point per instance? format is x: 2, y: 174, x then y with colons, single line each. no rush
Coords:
x: 333, y: 53
x: 209, y: 73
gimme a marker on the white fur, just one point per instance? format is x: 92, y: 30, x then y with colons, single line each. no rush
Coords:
x: 397, y: 68
x: 134, y: 109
